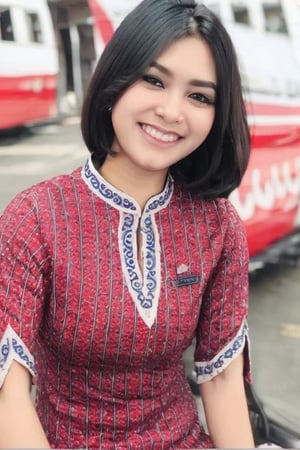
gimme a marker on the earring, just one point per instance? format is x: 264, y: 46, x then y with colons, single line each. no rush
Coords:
x: 109, y: 109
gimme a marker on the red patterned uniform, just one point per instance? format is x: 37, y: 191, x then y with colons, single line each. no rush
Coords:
x: 104, y: 338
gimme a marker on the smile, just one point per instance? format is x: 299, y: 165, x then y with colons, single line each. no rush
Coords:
x: 157, y: 134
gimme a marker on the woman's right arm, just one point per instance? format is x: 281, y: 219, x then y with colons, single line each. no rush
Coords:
x: 19, y: 423
x: 23, y: 265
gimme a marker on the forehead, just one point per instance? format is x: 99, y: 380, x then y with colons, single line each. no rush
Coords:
x: 189, y: 57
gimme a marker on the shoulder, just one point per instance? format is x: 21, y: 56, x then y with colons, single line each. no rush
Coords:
x: 61, y: 183
x: 216, y: 223
x: 229, y: 216
x: 228, y: 223
x: 225, y: 224
x: 218, y: 213
x: 38, y: 200
x: 41, y: 190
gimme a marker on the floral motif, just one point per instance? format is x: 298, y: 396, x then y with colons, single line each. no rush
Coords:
x: 119, y: 199
x: 128, y: 234
x: 206, y: 371
x: 4, y: 350
x: 162, y: 199
x: 144, y: 287
x: 79, y: 380
x: 105, y: 190
x: 13, y: 348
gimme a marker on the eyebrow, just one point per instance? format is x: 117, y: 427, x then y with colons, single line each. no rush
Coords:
x: 194, y: 82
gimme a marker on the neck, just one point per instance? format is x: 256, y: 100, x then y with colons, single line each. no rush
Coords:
x: 139, y: 184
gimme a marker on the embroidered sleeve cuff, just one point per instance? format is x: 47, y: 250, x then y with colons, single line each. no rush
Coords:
x: 205, y: 371
x: 12, y: 348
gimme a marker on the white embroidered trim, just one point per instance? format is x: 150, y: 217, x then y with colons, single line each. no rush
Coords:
x: 205, y: 371
x: 144, y: 288
x: 13, y: 348
x: 120, y: 200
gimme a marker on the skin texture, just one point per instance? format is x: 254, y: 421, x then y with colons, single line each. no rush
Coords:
x: 226, y: 409
x: 19, y: 423
x: 168, y: 100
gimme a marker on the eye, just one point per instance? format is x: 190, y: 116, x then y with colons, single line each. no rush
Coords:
x: 153, y: 81
x: 202, y: 98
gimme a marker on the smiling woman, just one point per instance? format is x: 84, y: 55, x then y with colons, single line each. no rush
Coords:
x: 160, y: 113
x: 122, y: 65
x: 108, y: 274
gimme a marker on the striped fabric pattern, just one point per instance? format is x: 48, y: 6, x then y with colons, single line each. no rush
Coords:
x: 105, y: 379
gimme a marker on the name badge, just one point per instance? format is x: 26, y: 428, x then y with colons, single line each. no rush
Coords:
x: 188, y: 280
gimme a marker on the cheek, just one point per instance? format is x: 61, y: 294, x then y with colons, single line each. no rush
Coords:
x: 123, y: 115
x: 120, y: 115
x: 203, y: 125
x: 119, y: 126
x: 210, y: 117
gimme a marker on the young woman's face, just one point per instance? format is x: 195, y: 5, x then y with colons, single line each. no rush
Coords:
x: 168, y: 113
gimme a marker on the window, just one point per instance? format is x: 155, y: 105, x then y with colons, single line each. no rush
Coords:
x: 241, y: 14
x: 34, y: 27
x: 274, y: 18
x: 6, y: 28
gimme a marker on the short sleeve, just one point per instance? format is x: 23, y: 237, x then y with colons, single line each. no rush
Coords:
x: 222, y: 332
x: 23, y: 260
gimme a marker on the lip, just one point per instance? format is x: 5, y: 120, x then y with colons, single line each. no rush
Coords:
x: 161, y: 130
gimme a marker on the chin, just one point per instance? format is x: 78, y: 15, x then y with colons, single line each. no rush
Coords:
x: 155, y: 168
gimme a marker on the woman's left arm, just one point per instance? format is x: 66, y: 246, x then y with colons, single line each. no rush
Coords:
x: 226, y: 408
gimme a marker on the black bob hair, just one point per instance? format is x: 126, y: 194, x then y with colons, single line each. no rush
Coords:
x: 217, y: 166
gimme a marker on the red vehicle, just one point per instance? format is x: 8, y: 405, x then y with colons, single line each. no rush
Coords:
x: 268, y: 199
x: 28, y: 78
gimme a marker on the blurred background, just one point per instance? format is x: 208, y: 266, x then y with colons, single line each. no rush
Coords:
x: 48, y: 50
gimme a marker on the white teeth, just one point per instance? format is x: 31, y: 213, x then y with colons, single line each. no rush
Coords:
x: 159, y: 134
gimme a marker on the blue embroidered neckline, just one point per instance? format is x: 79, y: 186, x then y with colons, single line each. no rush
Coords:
x: 120, y: 200
x: 143, y: 285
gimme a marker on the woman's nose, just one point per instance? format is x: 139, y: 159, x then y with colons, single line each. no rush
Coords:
x: 170, y: 109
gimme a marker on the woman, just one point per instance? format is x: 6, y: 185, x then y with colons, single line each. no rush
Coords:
x: 109, y: 273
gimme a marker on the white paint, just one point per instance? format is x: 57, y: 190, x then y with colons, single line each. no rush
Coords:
x: 23, y: 57
x: 260, y: 192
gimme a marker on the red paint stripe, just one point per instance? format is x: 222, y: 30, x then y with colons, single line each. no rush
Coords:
x: 28, y: 83
x: 264, y: 133
x: 103, y: 23
x: 27, y: 99
x: 271, y: 109
x: 275, y: 135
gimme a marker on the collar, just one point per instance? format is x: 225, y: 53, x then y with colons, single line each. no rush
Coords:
x: 118, y: 199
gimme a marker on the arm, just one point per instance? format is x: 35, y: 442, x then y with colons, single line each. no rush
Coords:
x: 23, y: 263
x: 19, y: 423
x: 226, y: 409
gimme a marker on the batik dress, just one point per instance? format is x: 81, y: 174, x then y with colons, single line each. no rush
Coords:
x: 100, y: 317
